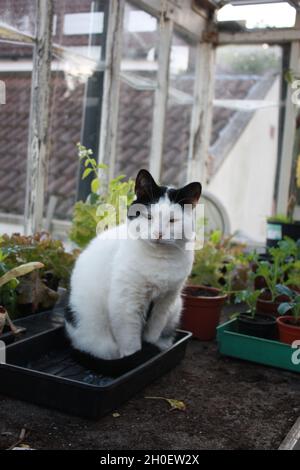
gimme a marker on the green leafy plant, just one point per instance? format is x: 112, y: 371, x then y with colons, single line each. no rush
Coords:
x: 276, y: 271
x: 9, y: 280
x: 294, y: 275
x: 280, y: 218
x: 19, y: 249
x: 87, y: 215
x: 221, y: 264
x: 293, y: 306
x: 250, y: 298
x: 36, y: 291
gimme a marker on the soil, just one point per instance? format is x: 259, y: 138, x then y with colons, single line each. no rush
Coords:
x: 267, y: 297
x: 201, y: 293
x: 259, y: 318
x: 293, y: 323
x: 230, y: 404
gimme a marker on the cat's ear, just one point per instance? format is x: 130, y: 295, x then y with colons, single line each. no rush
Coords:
x: 190, y: 194
x: 145, y: 186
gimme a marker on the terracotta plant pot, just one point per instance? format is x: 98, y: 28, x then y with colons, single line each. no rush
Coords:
x: 288, y: 333
x: 266, y: 306
x: 259, y: 283
x: 201, y: 311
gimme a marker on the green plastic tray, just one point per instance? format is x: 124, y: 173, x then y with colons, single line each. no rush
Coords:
x: 263, y: 351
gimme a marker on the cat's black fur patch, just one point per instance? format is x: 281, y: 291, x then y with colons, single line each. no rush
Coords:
x: 149, y: 311
x: 148, y: 192
x: 70, y: 316
x: 189, y: 194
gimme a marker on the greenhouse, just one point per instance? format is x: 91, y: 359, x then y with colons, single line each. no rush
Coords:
x: 149, y: 227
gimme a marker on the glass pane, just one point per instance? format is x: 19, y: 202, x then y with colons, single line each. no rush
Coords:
x: 77, y: 84
x: 138, y: 81
x: 19, y: 14
x: 179, y: 111
x: 272, y: 15
x: 140, y: 43
x: 80, y: 27
x: 65, y: 131
x: 244, y: 143
x: 15, y: 73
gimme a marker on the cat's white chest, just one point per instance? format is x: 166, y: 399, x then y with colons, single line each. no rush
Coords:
x: 163, y: 274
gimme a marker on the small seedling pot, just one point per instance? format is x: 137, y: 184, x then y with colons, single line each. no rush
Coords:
x: 266, y: 306
x: 261, y: 326
x: 202, y: 308
x: 288, y: 331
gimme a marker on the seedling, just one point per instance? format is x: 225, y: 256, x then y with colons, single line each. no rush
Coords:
x: 293, y: 306
x: 250, y: 298
x: 282, y: 262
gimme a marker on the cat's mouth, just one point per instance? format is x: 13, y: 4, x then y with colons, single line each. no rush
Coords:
x: 162, y: 241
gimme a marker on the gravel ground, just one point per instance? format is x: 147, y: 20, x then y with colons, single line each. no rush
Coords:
x: 230, y: 404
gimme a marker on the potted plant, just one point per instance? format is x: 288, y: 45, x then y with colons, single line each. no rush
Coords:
x: 58, y: 263
x: 279, y: 227
x: 289, y: 320
x: 251, y: 322
x: 282, y: 225
x: 202, y: 306
x: 275, y: 271
x: 9, y: 282
x: 38, y: 290
x: 217, y: 271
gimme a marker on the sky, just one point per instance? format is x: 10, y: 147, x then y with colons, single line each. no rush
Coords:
x: 278, y: 15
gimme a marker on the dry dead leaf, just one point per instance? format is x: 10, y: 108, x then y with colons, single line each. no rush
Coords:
x: 174, y: 404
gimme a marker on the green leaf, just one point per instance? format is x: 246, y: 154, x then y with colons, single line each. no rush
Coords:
x: 284, y: 308
x: 284, y: 290
x: 95, y: 185
x: 102, y: 166
x: 216, y: 237
x: 90, y: 161
x: 86, y: 172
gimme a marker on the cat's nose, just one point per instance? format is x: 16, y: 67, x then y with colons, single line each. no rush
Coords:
x: 158, y: 235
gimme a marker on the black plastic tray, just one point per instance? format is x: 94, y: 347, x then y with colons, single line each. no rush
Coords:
x: 35, y: 324
x: 43, y: 370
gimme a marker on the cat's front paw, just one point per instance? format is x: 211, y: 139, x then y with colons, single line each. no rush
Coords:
x: 165, y: 343
x: 129, y: 350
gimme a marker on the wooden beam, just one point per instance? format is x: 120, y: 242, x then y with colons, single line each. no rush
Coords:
x: 182, y: 13
x: 111, y: 90
x: 286, y: 161
x: 161, y: 95
x: 2, y: 92
x: 201, y: 121
x: 259, y: 36
x: 8, y: 33
x: 39, y: 119
x: 292, y: 440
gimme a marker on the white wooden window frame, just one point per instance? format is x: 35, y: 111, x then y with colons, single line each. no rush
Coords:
x: 277, y: 36
x: 171, y: 15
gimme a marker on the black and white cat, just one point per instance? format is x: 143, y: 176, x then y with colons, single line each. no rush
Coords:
x: 118, y: 277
